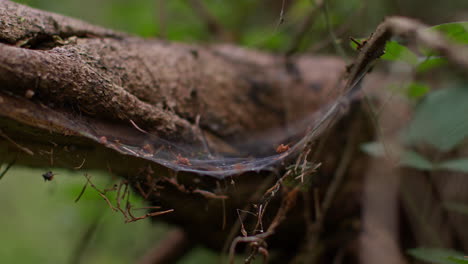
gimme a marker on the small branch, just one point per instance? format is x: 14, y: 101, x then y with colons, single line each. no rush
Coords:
x: 149, y: 215
x: 138, y: 128
x: 101, y: 193
x: 7, y: 168
x: 414, y: 32
x: 169, y: 250
x: 335, y: 42
x: 257, y: 242
x: 26, y: 150
x: 210, y: 195
x: 281, y: 16
x: 81, y: 165
x: 305, y: 27
x: 340, y: 31
x: 82, y: 192
x: 287, y: 203
x: 310, y: 248
x: 80, y: 250
x: 211, y: 22
x: 127, y: 212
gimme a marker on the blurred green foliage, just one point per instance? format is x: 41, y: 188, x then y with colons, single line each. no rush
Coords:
x: 437, y: 255
x: 41, y: 223
x: 253, y: 23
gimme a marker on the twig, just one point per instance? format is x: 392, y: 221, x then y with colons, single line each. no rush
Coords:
x: 169, y: 250
x: 238, y: 224
x: 413, y: 31
x: 127, y: 213
x: 147, y: 207
x: 248, y: 239
x: 28, y: 151
x: 141, y: 191
x: 100, y: 193
x: 82, y: 192
x: 119, y: 206
x: 335, y: 42
x: 211, y: 22
x: 81, y: 165
x: 306, y: 25
x: 281, y: 16
x: 128, y: 205
x: 340, y: 172
x: 7, y: 168
x: 210, y: 195
x: 138, y: 128
x: 339, y: 31
x: 338, y: 178
x: 149, y: 215
x: 287, y: 203
x: 258, y: 241
x: 80, y: 249
x: 202, y: 135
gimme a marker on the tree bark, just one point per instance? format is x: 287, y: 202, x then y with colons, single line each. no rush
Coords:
x: 71, y: 94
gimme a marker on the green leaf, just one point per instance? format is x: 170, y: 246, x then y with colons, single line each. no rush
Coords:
x: 459, y: 165
x: 457, y: 207
x: 397, y: 52
x: 434, y: 255
x: 457, y: 31
x: 440, y: 120
x: 431, y: 63
x: 414, y: 160
x: 416, y: 90
x: 459, y: 260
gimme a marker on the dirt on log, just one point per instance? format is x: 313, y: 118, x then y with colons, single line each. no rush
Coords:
x: 62, y: 79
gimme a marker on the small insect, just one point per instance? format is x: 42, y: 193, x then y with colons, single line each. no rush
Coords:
x: 148, y: 149
x: 182, y: 160
x: 48, y: 176
x: 103, y: 140
x: 282, y: 148
x: 29, y: 94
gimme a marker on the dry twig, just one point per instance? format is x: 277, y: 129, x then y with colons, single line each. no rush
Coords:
x: 82, y: 192
x: 171, y: 249
x: 413, y: 31
x: 127, y: 212
x: 281, y: 16
x: 7, y: 168
x: 211, y: 22
x: 26, y: 150
x: 257, y: 241
x: 315, y: 228
x: 305, y: 27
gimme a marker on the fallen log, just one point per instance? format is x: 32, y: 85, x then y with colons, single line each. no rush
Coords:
x: 167, y: 116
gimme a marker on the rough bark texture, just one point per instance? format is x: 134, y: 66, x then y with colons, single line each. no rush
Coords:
x: 64, y: 83
x: 161, y: 86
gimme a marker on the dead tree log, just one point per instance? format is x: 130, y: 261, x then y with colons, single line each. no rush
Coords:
x: 71, y: 93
